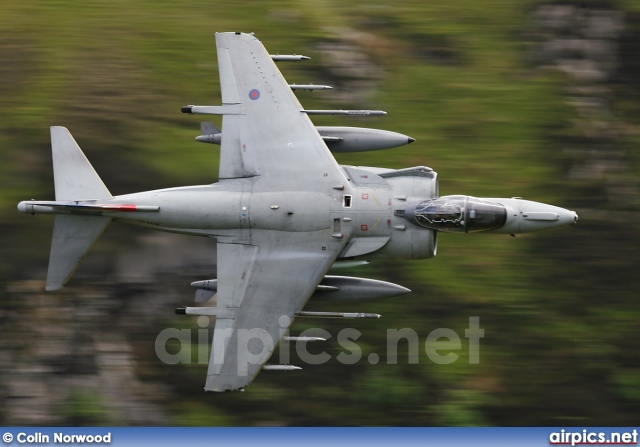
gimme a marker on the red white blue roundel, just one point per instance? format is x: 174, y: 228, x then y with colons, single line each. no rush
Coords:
x: 254, y: 94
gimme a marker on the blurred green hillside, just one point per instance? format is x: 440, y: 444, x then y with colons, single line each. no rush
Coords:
x: 504, y: 98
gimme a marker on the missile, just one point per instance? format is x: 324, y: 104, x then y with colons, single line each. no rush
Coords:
x: 288, y: 338
x: 337, y: 315
x: 283, y: 368
x: 346, y: 112
x: 225, y: 312
x: 309, y: 87
x: 336, y: 288
x: 289, y: 57
x: 337, y: 138
x: 238, y: 109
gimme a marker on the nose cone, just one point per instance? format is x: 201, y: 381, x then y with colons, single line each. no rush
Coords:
x: 567, y: 217
x: 211, y: 139
x: 524, y: 216
x: 540, y: 216
x: 23, y: 208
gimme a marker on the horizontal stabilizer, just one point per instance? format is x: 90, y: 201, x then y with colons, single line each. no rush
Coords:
x: 73, y: 237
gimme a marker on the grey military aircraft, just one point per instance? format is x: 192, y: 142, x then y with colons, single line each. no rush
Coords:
x: 283, y: 212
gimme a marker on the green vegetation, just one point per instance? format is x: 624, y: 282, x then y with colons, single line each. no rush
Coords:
x: 85, y: 407
x: 559, y: 310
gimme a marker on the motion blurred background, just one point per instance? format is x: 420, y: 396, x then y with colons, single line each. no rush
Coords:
x: 539, y: 99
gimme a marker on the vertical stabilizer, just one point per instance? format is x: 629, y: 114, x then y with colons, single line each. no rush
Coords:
x: 73, y: 237
x: 74, y: 177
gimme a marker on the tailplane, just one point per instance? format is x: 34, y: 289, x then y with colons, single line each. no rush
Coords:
x: 73, y: 235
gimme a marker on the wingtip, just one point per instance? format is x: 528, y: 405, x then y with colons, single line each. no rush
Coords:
x: 56, y: 129
x: 53, y: 287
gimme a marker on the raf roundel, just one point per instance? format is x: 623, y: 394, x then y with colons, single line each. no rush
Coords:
x: 254, y: 94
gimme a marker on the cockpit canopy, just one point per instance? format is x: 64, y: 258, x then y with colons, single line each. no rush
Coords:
x: 462, y: 214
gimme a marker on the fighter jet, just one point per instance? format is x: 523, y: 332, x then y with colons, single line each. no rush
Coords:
x: 283, y: 212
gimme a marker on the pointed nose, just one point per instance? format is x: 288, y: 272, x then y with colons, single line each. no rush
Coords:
x: 524, y: 216
x: 566, y: 217
x: 538, y: 216
x: 211, y: 139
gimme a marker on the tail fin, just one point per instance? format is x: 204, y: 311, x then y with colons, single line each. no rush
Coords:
x: 74, y: 177
x: 73, y: 235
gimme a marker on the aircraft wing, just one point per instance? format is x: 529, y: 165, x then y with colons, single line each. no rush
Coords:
x: 266, y: 277
x: 266, y: 133
x: 260, y: 289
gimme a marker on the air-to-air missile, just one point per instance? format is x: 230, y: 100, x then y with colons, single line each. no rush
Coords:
x: 309, y: 87
x: 283, y: 368
x: 289, y: 57
x: 229, y: 312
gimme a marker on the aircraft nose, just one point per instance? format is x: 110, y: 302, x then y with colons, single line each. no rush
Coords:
x: 567, y: 216
x: 524, y: 216
x: 564, y: 216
